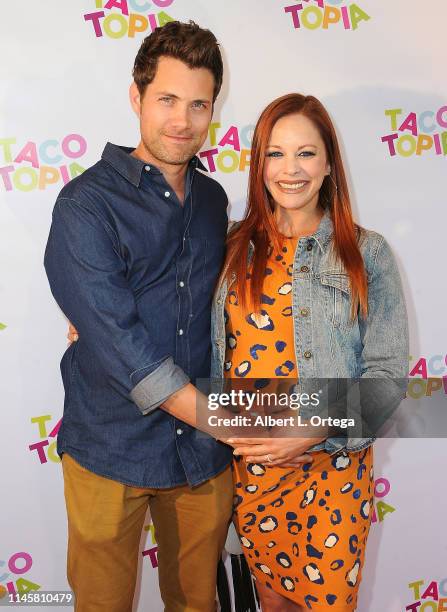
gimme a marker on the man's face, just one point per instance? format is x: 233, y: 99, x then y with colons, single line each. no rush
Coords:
x: 175, y: 111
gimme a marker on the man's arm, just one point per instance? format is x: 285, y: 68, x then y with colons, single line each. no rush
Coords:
x: 87, y: 276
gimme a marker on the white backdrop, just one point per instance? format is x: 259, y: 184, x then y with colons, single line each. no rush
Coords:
x: 65, y: 73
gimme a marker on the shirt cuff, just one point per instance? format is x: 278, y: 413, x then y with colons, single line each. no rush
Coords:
x: 157, y: 386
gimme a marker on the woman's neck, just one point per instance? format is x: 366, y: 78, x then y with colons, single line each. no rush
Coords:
x: 298, y: 223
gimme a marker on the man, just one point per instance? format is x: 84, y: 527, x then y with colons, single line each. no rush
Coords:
x: 135, y: 247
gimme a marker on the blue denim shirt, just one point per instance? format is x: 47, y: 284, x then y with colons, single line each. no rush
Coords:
x: 134, y: 270
x: 328, y: 344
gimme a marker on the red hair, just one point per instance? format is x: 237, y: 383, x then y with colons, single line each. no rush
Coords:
x: 259, y: 225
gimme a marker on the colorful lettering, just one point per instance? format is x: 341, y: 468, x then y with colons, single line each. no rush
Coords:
x: 28, y: 563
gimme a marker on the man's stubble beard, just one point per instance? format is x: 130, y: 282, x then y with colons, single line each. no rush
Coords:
x: 163, y: 154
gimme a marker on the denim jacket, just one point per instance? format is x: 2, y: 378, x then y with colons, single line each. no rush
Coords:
x: 328, y: 344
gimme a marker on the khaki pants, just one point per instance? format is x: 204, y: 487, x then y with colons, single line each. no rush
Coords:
x: 105, y: 521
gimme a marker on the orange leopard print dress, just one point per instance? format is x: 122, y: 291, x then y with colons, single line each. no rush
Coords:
x: 303, y: 530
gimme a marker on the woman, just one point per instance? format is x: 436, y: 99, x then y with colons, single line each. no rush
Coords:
x: 316, y: 296
x: 313, y: 296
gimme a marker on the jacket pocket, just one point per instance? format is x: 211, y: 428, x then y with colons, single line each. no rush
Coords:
x: 337, y: 297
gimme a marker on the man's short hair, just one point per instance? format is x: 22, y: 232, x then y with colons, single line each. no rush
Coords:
x: 187, y: 42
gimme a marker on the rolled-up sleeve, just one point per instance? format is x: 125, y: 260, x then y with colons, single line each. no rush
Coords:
x: 87, y: 276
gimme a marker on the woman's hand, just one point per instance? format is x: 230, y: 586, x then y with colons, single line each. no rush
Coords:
x: 284, y: 452
x: 72, y: 335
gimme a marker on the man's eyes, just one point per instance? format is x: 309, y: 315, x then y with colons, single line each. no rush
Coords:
x: 170, y: 101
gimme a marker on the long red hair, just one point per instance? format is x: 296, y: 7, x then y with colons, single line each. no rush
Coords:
x: 259, y: 225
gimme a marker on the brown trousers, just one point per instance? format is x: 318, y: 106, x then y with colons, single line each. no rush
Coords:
x: 105, y: 521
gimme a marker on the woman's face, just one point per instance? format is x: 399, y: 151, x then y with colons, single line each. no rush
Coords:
x: 295, y: 164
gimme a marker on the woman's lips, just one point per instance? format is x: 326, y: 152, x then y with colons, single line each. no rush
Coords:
x: 289, y: 187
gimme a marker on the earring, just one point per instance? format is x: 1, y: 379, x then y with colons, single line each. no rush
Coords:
x: 334, y: 183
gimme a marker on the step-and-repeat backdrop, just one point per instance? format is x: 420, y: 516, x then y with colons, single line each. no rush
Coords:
x: 378, y: 67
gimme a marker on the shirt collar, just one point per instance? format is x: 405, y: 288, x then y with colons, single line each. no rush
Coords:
x: 131, y: 167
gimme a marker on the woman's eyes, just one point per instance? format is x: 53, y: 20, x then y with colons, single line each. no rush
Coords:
x: 301, y: 154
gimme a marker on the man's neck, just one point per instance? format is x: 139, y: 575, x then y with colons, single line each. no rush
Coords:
x: 174, y: 174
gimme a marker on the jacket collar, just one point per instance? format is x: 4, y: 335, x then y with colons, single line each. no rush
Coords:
x: 324, y: 231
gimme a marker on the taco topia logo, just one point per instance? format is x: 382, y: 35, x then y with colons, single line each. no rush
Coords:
x: 326, y: 14
x: 127, y: 18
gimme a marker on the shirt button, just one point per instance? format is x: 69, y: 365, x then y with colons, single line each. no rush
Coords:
x: 181, y: 284
x: 304, y: 269
x: 304, y: 312
x: 307, y: 355
x: 179, y: 432
x: 309, y: 246
x: 167, y: 194
x: 180, y: 332
x: 147, y: 168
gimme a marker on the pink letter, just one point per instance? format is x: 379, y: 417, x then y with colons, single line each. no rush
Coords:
x: 53, y: 433
x: 346, y: 22
x: 152, y: 21
x: 39, y: 446
x: 152, y: 554
x: 420, y: 368
x: 389, y: 139
x: 210, y: 158
x: 294, y: 10
x: 4, y: 173
x: 28, y: 153
x: 386, y: 487
x: 94, y: 18
x: 82, y: 146
x: 439, y: 118
x: 410, y: 123
x: 431, y: 591
x: 64, y: 174
x: 119, y: 4
x: 20, y: 555
x: 231, y: 138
